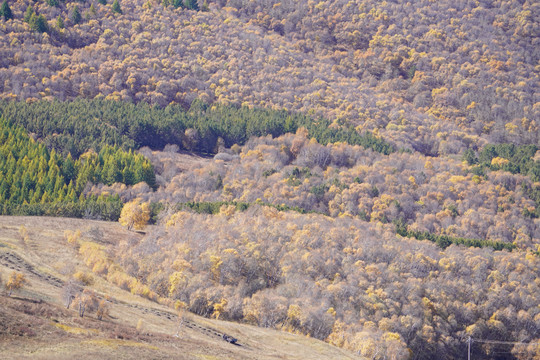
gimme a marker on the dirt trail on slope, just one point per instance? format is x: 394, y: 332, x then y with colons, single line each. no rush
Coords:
x: 17, y: 263
x: 208, y: 331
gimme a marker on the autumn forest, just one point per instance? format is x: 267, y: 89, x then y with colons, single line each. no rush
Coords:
x: 366, y: 173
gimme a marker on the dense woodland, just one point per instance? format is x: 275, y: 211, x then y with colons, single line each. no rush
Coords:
x: 351, y: 283
x: 442, y: 196
x: 371, y: 169
x: 437, y: 77
x: 320, y: 240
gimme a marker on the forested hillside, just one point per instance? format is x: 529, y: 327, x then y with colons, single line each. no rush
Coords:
x: 323, y: 240
x: 363, y: 172
x: 437, y: 77
x: 441, y: 196
x: 354, y: 284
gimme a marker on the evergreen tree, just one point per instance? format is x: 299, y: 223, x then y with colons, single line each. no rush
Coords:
x: 116, y: 7
x: 470, y: 157
x: 205, y: 6
x: 192, y: 4
x: 28, y: 14
x: 92, y: 9
x: 53, y: 3
x: 39, y: 23
x: 68, y: 169
x: 60, y: 22
x: 128, y: 177
x: 76, y: 15
x: 113, y: 174
x: 5, y: 11
x: 102, y: 2
x: 33, y: 21
x: 178, y: 3
x: 148, y: 175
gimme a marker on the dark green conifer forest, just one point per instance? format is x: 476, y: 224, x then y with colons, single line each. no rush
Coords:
x: 36, y: 181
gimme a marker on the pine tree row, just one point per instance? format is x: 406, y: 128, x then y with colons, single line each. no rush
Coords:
x: 74, y: 127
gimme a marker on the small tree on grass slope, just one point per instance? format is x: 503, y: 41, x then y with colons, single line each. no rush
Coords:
x: 15, y: 282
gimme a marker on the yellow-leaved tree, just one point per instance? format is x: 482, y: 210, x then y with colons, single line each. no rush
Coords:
x: 135, y: 215
x: 16, y: 281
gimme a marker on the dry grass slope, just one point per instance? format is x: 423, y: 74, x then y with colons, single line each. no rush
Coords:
x: 35, y: 324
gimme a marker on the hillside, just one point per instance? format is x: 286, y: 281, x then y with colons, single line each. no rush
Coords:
x: 35, y: 323
x: 309, y: 177
x: 436, y: 77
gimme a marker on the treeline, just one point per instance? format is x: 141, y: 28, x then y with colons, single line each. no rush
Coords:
x: 213, y: 208
x: 444, y: 241
x: 36, y: 181
x: 514, y: 159
x: 74, y: 127
x: 92, y: 207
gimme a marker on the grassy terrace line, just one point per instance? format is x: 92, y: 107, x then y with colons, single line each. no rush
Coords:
x: 76, y: 126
